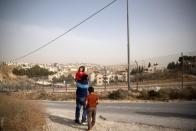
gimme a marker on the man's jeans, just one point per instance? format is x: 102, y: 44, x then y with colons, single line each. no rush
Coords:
x: 80, y: 101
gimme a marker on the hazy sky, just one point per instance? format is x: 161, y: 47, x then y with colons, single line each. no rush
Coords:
x: 157, y: 28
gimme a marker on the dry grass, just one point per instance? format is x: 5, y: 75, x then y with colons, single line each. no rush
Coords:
x: 187, y: 93
x: 164, y: 77
x: 20, y: 115
x: 43, y: 95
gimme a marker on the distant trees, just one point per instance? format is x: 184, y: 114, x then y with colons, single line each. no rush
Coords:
x: 2, y: 64
x: 136, y: 70
x: 172, y: 65
x: 35, y: 71
x: 149, y: 64
x: 188, y: 63
x: 69, y: 79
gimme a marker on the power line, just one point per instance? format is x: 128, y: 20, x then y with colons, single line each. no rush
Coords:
x: 69, y: 30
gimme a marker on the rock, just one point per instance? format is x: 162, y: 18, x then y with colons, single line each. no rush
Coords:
x: 101, y: 117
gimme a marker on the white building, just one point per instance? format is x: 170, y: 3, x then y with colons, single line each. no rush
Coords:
x: 53, y: 69
x: 73, y: 69
x: 99, y: 79
x: 122, y: 76
x: 92, y: 77
x: 154, y: 68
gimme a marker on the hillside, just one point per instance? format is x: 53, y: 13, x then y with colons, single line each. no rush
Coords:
x: 7, y: 78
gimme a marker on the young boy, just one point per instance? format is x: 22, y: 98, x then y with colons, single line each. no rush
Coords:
x: 92, y: 101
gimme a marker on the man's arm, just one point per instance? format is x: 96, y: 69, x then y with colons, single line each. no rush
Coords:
x: 86, y: 102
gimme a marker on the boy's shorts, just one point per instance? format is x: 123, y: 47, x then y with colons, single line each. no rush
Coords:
x: 91, y: 117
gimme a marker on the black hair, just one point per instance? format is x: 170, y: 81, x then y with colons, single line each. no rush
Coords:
x: 84, y: 77
x: 83, y: 68
x: 91, y: 89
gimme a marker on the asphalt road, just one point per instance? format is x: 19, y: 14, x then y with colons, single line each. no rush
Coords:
x: 167, y: 114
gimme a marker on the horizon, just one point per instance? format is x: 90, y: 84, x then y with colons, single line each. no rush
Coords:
x: 161, y: 60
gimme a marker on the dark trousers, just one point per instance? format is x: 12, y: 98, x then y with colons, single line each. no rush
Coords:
x: 91, y: 117
x: 80, y: 101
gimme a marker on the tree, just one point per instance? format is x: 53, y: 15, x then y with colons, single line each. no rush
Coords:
x: 188, y: 63
x: 187, y: 59
x: 133, y: 71
x: 116, y: 78
x: 69, y: 79
x: 141, y: 69
x: 149, y: 64
x: 171, y: 66
x: 35, y: 71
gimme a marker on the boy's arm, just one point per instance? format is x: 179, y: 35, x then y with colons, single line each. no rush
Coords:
x: 97, y: 102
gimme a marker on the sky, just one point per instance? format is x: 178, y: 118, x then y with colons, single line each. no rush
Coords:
x: 157, y: 28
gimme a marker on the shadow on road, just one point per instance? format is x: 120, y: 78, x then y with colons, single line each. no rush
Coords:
x: 66, y: 121
x: 167, y: 114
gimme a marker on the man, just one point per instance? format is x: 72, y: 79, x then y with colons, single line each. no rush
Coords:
x: 81, y: 93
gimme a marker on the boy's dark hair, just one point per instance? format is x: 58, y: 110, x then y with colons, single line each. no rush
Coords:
x: 91, y: 89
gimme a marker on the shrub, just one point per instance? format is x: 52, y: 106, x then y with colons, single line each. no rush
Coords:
x: 174, y: 94
x: 143, y: 95
x: 187, y: 93
x: 42, y: 95
x: 164, y: 93
x: 118, y: 94
x: 103, y: 95
x: 153, y: 94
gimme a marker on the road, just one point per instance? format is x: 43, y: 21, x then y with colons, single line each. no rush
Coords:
x: 166, y: 114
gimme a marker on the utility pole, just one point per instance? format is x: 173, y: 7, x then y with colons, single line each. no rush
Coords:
x: 182, y: 70
x: 137, y: 73
x: 128, y: 50
x: 105, y: 77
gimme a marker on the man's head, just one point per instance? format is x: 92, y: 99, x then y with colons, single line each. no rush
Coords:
x: 91, y: 89
x: 84, y: 77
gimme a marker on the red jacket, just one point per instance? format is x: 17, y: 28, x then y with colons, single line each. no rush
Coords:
x: 79, y: 75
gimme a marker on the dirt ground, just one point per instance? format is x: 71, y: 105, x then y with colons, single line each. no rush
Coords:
x: 63, y: 120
